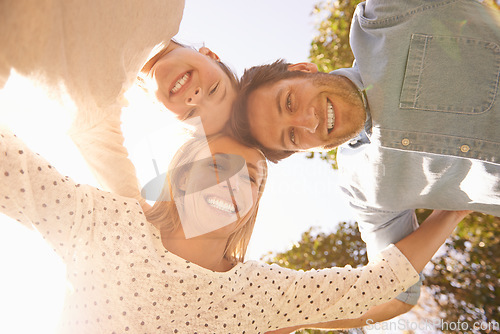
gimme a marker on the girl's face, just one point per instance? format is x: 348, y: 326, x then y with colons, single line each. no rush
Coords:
x: 191, y: 83
x: 222, y: 189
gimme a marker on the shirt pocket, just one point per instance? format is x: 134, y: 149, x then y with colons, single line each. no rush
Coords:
x: 450, y: 74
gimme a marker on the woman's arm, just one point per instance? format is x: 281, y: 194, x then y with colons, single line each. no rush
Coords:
x: 376, y: 314
x: 418, y: 247
x: 35, y: 194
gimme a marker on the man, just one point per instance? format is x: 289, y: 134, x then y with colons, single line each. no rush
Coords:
x: 418, y: 115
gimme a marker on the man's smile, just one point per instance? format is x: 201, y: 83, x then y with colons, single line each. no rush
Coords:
x: 330, y: 113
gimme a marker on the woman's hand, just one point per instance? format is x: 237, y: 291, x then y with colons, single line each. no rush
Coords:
x: 422, y: 244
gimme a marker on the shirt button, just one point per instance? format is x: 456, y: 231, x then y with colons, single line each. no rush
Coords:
x: 405, y: 142
x: 465, y: 148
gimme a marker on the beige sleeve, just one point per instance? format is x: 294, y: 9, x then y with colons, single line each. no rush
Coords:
x: 313, y: 296
x: 101, y: 145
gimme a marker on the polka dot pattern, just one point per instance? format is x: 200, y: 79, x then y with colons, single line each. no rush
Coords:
x: 123, y: 280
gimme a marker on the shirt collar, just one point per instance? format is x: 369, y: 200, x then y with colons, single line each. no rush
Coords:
x: 352, y: 74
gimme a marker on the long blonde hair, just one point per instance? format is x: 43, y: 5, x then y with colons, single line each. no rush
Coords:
x: 164, y: 214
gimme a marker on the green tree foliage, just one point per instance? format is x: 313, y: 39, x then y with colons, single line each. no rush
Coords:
x: 318, y: 250
x: 464, y: 280
x: 330, y: 48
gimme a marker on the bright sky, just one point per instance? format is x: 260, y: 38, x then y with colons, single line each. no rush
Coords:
x: 300, y: 193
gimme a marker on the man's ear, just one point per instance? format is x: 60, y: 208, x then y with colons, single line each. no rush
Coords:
x: 209, y: 53
x: 303, y: 67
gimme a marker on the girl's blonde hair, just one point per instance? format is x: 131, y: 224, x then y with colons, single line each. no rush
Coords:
x: 164, y: 214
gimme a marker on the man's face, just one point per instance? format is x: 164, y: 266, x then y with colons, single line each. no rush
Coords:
x: 317, y: 110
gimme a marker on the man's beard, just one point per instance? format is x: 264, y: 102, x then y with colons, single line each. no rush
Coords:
x: 344, y: 88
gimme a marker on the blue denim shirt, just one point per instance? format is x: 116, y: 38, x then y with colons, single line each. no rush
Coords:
x: 430, y: 70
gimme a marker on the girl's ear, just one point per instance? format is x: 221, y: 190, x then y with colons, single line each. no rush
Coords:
x: 209, y: 53
x: 180, y: 181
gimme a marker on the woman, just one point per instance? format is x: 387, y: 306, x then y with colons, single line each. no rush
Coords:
x: 126, y: 276
x: 207, y: 196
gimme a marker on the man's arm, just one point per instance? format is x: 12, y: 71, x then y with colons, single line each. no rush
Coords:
x: 418, y: 247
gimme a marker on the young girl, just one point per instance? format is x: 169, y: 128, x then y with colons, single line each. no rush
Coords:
x: 128, y: 276
x: 192, y: 84
x: 91, y: 54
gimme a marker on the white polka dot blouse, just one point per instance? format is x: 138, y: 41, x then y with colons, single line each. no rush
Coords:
x: 123, y: 280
